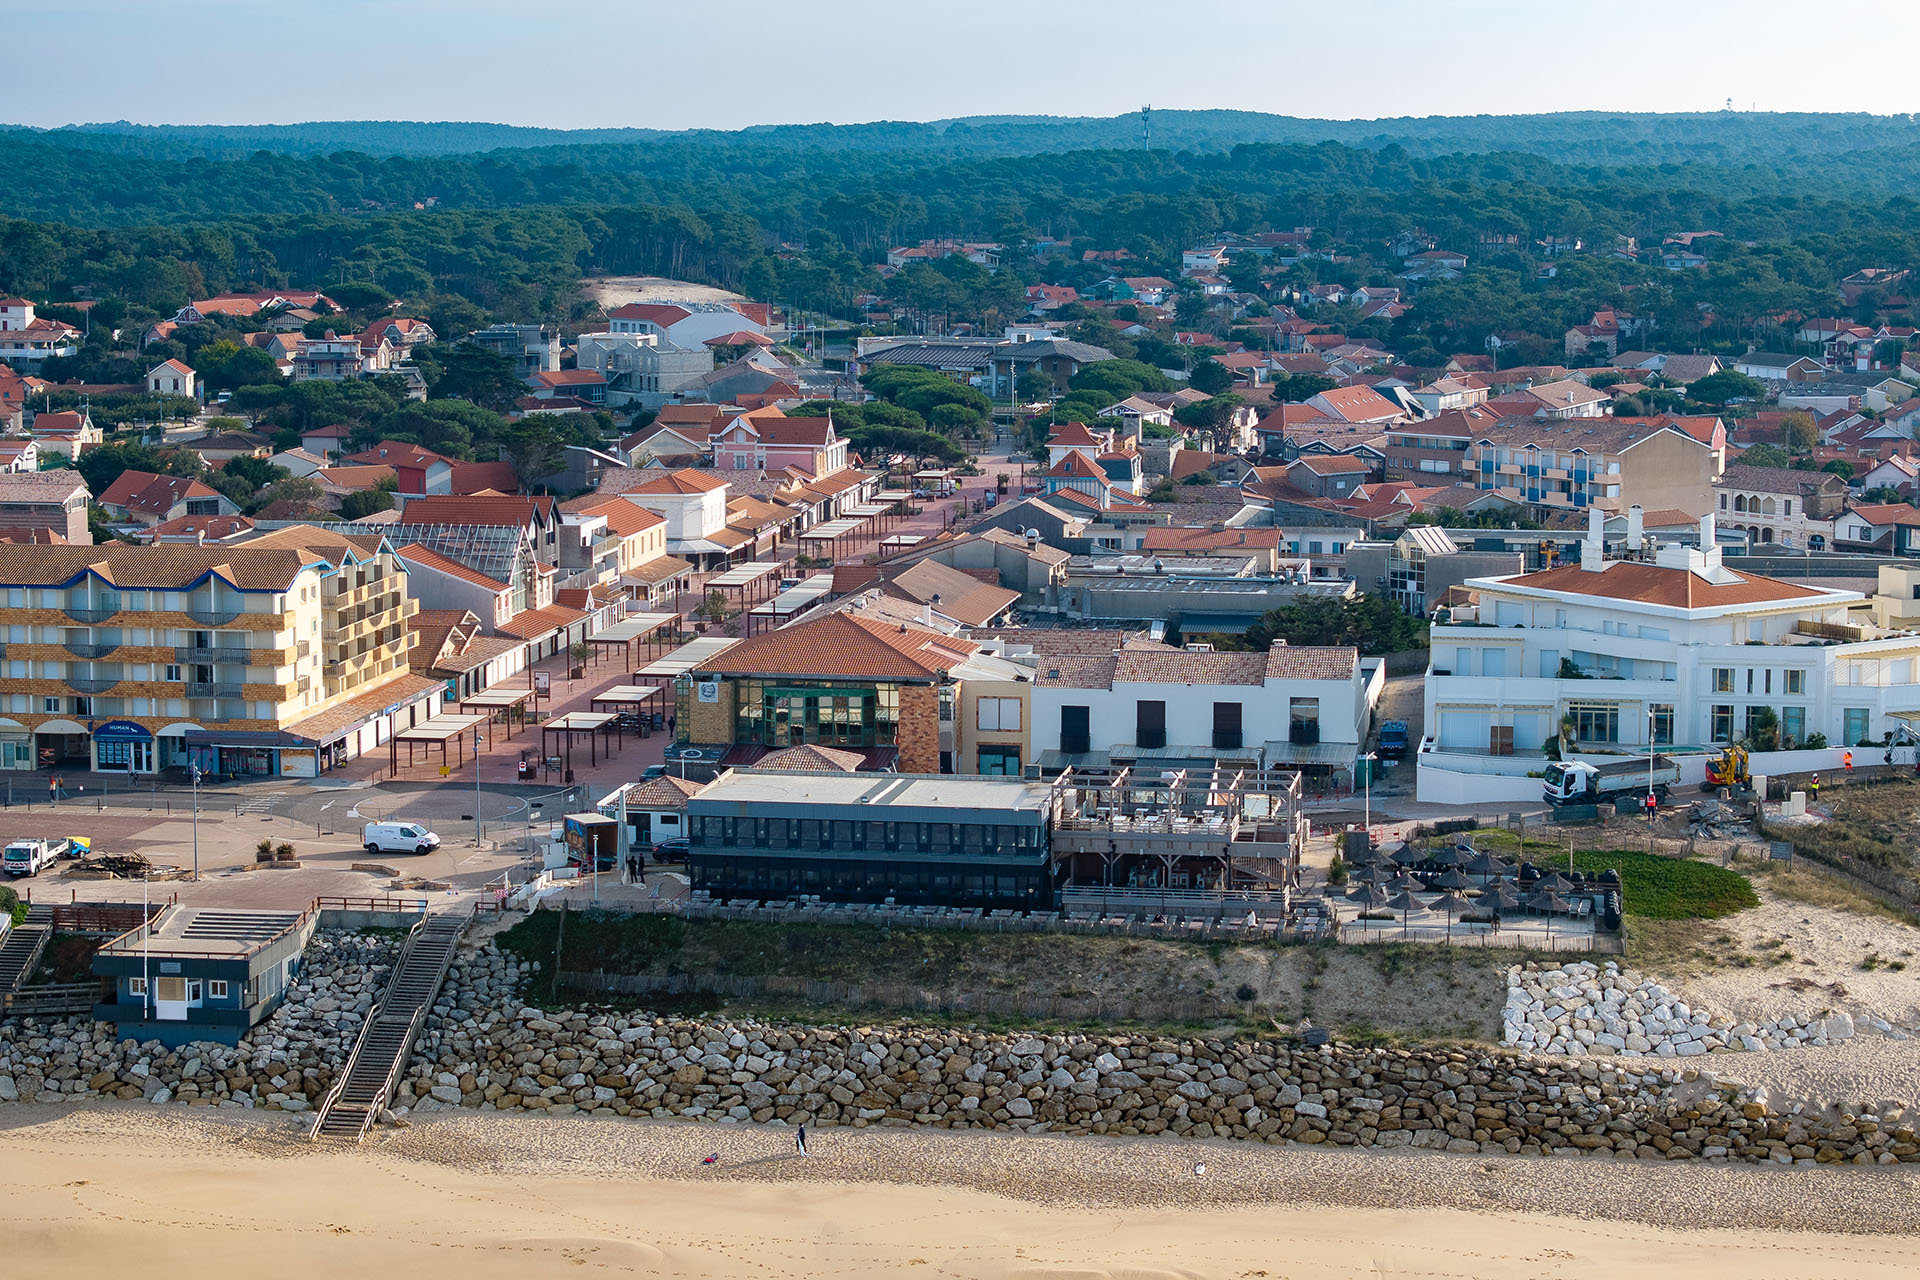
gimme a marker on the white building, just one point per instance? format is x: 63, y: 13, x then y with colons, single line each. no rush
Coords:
x: 685, y: 324
x: 28, y: 338
x: 694, y: 505
x: 1676, y: 652
x: 1152, y: 705
x: 642, y: 368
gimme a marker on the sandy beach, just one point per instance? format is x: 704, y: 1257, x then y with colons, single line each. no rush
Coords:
x: 178, y: 1193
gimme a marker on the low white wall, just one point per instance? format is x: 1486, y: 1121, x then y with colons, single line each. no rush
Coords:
x: 1446, y: 778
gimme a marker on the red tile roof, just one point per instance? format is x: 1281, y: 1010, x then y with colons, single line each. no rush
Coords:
x: 841, y: 646
x: 484, y: 509
x: 1656, y: 584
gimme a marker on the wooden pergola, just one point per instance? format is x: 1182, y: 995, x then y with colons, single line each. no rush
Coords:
x: 642, y: 628
x: 441, y: 729
x: 501, y: 703
x: 633, y: 697
x: 577, y: 722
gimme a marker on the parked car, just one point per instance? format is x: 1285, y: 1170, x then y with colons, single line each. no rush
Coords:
x: 672, y: 850
x: 398, y: 837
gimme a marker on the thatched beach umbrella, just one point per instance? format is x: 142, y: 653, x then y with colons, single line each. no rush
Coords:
x: 1452, y: 878
x: 1454, y: 857
x: 1451, y: 903
x: 1488, y: 866
x: 1408, y: 856
x: 1405, y: 883
x: 1368, y: 896
x: 1552, y: 882
x: 1406, y: 904
x: 1497, y: 897
x: 1373, y: 875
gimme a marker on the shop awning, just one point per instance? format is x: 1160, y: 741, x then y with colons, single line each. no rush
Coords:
x: 247, y: 738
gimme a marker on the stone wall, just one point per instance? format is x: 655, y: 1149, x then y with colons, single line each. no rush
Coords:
x: 483, y: 1049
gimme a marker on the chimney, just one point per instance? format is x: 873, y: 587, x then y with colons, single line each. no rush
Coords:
x: 1593, y: 547
x: 1707, y: 539
x: 1636, y: 526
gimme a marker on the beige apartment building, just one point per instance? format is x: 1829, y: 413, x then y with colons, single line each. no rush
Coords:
x: 283, y: 656
x: 1591, y: 462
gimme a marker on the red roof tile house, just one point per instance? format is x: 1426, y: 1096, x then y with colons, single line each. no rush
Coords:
x: 1356, y: 404
x: 419, y: 471
x: 68, y: 432
x: 768, y: 440
x: 146, y: 499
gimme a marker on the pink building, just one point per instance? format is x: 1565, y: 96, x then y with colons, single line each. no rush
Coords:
x: 766, y: 440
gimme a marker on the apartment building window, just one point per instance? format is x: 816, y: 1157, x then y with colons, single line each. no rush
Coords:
x: 1303, y: 720
x: 1595, y: 722
x: 1794, y: 682
x: 1766, y: 681
x: 1720, y: 724
x: 1793, y: 726
x: 173, y: 674
x: 50, y: 704
x: 136, y: 986
x: 1855, y: 721
x: 1149, y: 723
x: 1749, y: 679
x: 216, y: 988
x: 1662, y: 723
x: 1000, y: 761
x: 1076, y: 734
x: 998, y: 715
x: 1722, y: 683
x: 1226, y: 725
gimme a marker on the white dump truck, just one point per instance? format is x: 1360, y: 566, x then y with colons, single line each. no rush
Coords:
x: 29, y: 857
x: 1616, y: 782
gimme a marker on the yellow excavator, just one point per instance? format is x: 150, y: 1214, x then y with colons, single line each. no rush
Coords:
x: 1728, y: 769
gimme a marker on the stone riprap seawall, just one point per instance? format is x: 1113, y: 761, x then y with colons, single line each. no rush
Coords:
x: 484, y: 1048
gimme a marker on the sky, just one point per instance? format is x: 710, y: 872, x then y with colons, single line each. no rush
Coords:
x: 644, y: 63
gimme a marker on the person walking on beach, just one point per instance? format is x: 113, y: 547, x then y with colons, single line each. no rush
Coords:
x: 800, y: 1138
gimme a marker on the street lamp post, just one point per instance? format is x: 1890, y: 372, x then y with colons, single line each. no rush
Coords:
x: 1652, y: 755
x: 476, y: 789
x: 1367, y: 793
x: 193, y: 772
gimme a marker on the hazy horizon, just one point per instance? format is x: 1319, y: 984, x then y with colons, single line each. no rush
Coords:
x: 482, y: 61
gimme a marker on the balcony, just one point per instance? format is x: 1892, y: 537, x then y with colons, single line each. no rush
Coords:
x: 93, y: 684
x: 91, y: 649
x: 220, y: 653
x: 196, y: 689
x: 86, y: 613
x: 302, y: 649
x: 212, y: 615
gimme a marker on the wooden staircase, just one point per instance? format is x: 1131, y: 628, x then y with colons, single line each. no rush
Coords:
x: 24, y: 946
x: 387, y: 1037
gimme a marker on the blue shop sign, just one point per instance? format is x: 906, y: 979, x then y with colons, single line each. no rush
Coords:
x: 121, y: 731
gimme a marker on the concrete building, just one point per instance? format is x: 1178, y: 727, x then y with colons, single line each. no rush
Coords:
x: 28, y: 339
x: 1776, y: 505
x: 1575, y: 464
x: 1676, y: 652
x: 857, y: 837
x: 533, y: 348
x: 1154, y: 707
x: 644, y: 369
x: 266, y: 658
x: 52, y: 500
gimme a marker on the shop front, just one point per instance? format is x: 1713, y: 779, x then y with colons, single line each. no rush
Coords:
x: 123, y: 746
x: 250, y: 754
x: 16, y: 745
x: 62, y: 744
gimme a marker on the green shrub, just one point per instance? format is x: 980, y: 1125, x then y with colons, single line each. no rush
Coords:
x: 1672, y: 888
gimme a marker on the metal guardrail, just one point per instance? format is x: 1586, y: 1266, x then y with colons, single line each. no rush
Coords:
x: 56, y: 998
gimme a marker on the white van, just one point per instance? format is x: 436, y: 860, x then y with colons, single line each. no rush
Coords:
x: 399, y: 837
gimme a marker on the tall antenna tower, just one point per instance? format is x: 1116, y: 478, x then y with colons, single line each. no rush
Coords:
x: 1146, y: 125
